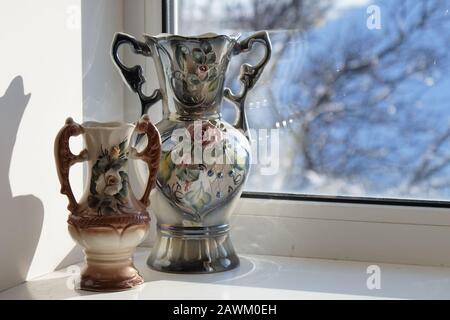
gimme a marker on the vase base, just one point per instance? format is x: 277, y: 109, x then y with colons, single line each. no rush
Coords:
x: 102, y: 285
x: 109, y: 272
x: 196, y: 250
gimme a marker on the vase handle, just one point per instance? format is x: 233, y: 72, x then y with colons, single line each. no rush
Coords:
x: 64, y: 159
x: 150, y: 155
x: 133, y: 76
x: 249, y: 75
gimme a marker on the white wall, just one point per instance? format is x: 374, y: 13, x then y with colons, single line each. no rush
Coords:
x: 102, y: 84
x: 41, y: 48
x: 41, y: 78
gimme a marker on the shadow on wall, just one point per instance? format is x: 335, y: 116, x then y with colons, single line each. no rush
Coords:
x: 73, y: 257
x: 22, y: 216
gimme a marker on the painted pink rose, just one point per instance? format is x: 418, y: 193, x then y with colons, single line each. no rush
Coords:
x: 208, y: 134
x: 109, y: 183
x: 202, y: 72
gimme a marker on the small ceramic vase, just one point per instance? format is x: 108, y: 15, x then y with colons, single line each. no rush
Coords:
x: 108, y: 221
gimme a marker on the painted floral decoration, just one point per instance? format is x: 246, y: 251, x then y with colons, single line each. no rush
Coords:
x: 208, y: 133
x: 198, y: 73
x: 109, y: 183
x: 198, y: 188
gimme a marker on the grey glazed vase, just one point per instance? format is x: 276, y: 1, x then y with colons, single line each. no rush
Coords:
x: 205, y: 161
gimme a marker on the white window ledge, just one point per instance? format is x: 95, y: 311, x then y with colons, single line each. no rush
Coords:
x: 259, y: 277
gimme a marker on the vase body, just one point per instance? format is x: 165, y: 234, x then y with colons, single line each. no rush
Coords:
x: 205, y: 161
x: 108, y: 221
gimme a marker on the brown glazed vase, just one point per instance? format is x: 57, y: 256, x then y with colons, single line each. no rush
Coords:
x: 108, y: 221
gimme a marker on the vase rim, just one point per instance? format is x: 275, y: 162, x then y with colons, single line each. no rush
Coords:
x: 112, y: 125
x: 208, y: 35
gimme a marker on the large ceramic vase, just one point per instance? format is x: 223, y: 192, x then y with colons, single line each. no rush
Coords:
x: 205, y: 161
x: 108, y: 221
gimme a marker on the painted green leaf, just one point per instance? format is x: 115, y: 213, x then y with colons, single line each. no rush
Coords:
x: 198, y: 56
x: 206, y: 46
x: 122, y: 146
x: 181, y: 52
x: 93, y: 184
x: 186, y: 174
x: 178, y: 75
x: 165, y: 166
x: 193, y: 175
x: 124, y: 176
x: 106, y: 211
x: 93, y: 201
x: 102, y: 164
x: 210, y: 57
x: 193, y: 79
x: 96, y: 172
x: 213, y: 85
x: 118, y: 163
x: 108, y: 205
x: 121, y: 198
x: 198, y: 198
x: 212, y: 74
x: 123, y: 193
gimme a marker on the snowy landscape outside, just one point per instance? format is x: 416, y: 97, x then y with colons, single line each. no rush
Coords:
x: 359, y: 90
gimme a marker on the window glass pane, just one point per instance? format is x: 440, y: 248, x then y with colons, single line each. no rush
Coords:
x: 359, y: 90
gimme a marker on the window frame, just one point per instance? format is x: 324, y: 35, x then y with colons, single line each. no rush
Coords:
x: 385, y: 230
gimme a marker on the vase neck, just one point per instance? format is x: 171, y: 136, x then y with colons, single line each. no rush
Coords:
x: 101, y: 138
x: 191, y: 73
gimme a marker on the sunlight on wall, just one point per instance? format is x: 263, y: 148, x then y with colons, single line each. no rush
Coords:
x: 43, y: 47
x: 45, y: 62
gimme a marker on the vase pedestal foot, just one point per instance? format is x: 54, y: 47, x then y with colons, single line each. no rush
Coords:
x: 109, y: 272
x: 193, y: 250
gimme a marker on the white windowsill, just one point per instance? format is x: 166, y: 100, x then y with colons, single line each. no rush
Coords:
x: 260, y: 277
